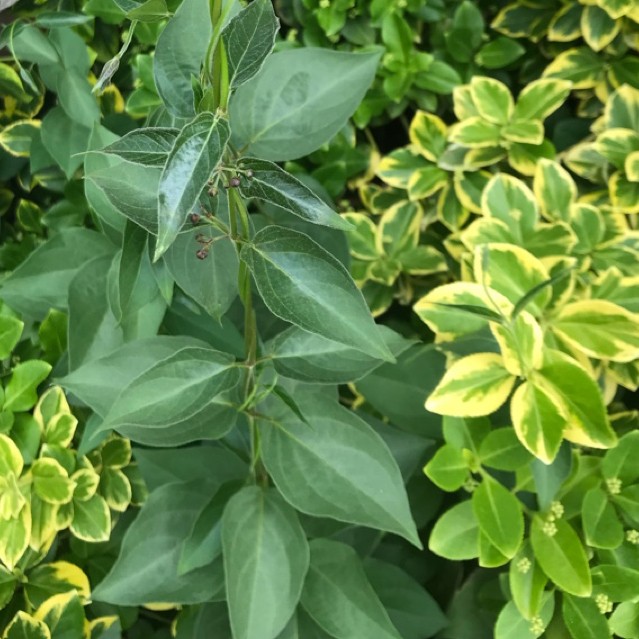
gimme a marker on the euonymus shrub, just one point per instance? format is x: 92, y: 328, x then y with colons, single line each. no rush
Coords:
x: 541, y: 333
x: 255, y: 531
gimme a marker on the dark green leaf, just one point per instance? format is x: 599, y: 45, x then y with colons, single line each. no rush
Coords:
x: 266, y: 557
x: 197, y: 151
x: 274, y: 185
x: 148, y: 146
x: 339, y: 597
x: 248, y: 39
x: 303, y: 284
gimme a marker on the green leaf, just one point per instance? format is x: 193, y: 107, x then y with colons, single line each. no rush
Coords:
x: 334, y: 465
x: 64, y: 615
x: 24, y: 626
x: 275, y: 115
x: 129, y: 190
x: 179, y: 54
x: 170, y: 400
x: 64, y: 140
x: 410, y: 607
x: 500, y: 516
x: 248, y: 40
x: 21, y: 391
x: 149, y: 146
x: 476, y: 133
x: 499, y: 53
x: 583, y: 619
x: 10, y: 332
x: 456, y: 533
x: 272, y: 184
x: 527, y: 582
x: 302, y: 283
x: 618, y: 583
x: 339, y: 597
x: 624, y: 621
x: 266, y: 557
x: 42, y: 281
x: 146, y: 570
x: 448, y: 468
x: 312, y: 358
x: 602, y: 528
x: 55, y: 578
x: 204, y: 544
x: 98, y: 383
x: 197, y: 151
x: 619, y: 462
x: 561, y: 556
x: 211, y: 282
x: 93, y: 327
x: 502, y: 450
x: 512, y: 625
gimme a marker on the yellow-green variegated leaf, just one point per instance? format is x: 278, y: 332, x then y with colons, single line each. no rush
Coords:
x: 91, y: 519
x: 588, y: 225
x: 527, y: 131
x: 615, y: 8
x: 427, y: 133
x: 598, y: 28
x: 624, y: 194
x: 581, y: 66
x: 476, y: 132
x: 115, y: 488
x: 509, y: 200
x: 57, y: 577
x: 540, y: 98
x: 480, y: 157
x: 492, y: 99
x: 538, y: 420
x: 63, y: 612
x: 43, y: 523
x: 14, y: 537
x: 51, y: 403
x: 554, y: 189
x: 486, y: 231
x: 422, y: 260
x: 398, y: 228
x: 450, y: 210
x: 463, y: 104
x: 631, y: 166
x: 10, y: 458
x: 51, y: 481
x: 600, y: 329
x: 473, y: 386
x: 362, y: 236
x: 521, y: 343
x: 579, y: 395
x: 622, y: 109
x: 524, y: 157
x: 426, y: 181
x: 566, y: 24
x: 396, y: 168
x: 12, y: 499
x: 24, y: 626
x: 616, y: 145
x: 86, y: 483
x: 16, y: 138
x: 469, y: 187
x: 513, y: 272
x: 448, y: 309
x: 584, y: 160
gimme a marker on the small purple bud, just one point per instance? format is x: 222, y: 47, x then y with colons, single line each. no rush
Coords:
x: 195, y: 218
x: 202, y: 254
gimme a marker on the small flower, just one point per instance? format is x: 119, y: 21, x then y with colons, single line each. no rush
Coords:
x: 234, y: 182
x: 523, y: 565
x: 202, y: 254
x: 195, y: 218
x: 212, y: 191
x: 633, y: 537
x: 603, y: 603
x: 557, y: 509
x: 614, y: 485
x: 549, y: 529
x: 537, y: 625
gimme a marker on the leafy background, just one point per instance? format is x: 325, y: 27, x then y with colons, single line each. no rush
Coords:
x: 486, y: 158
